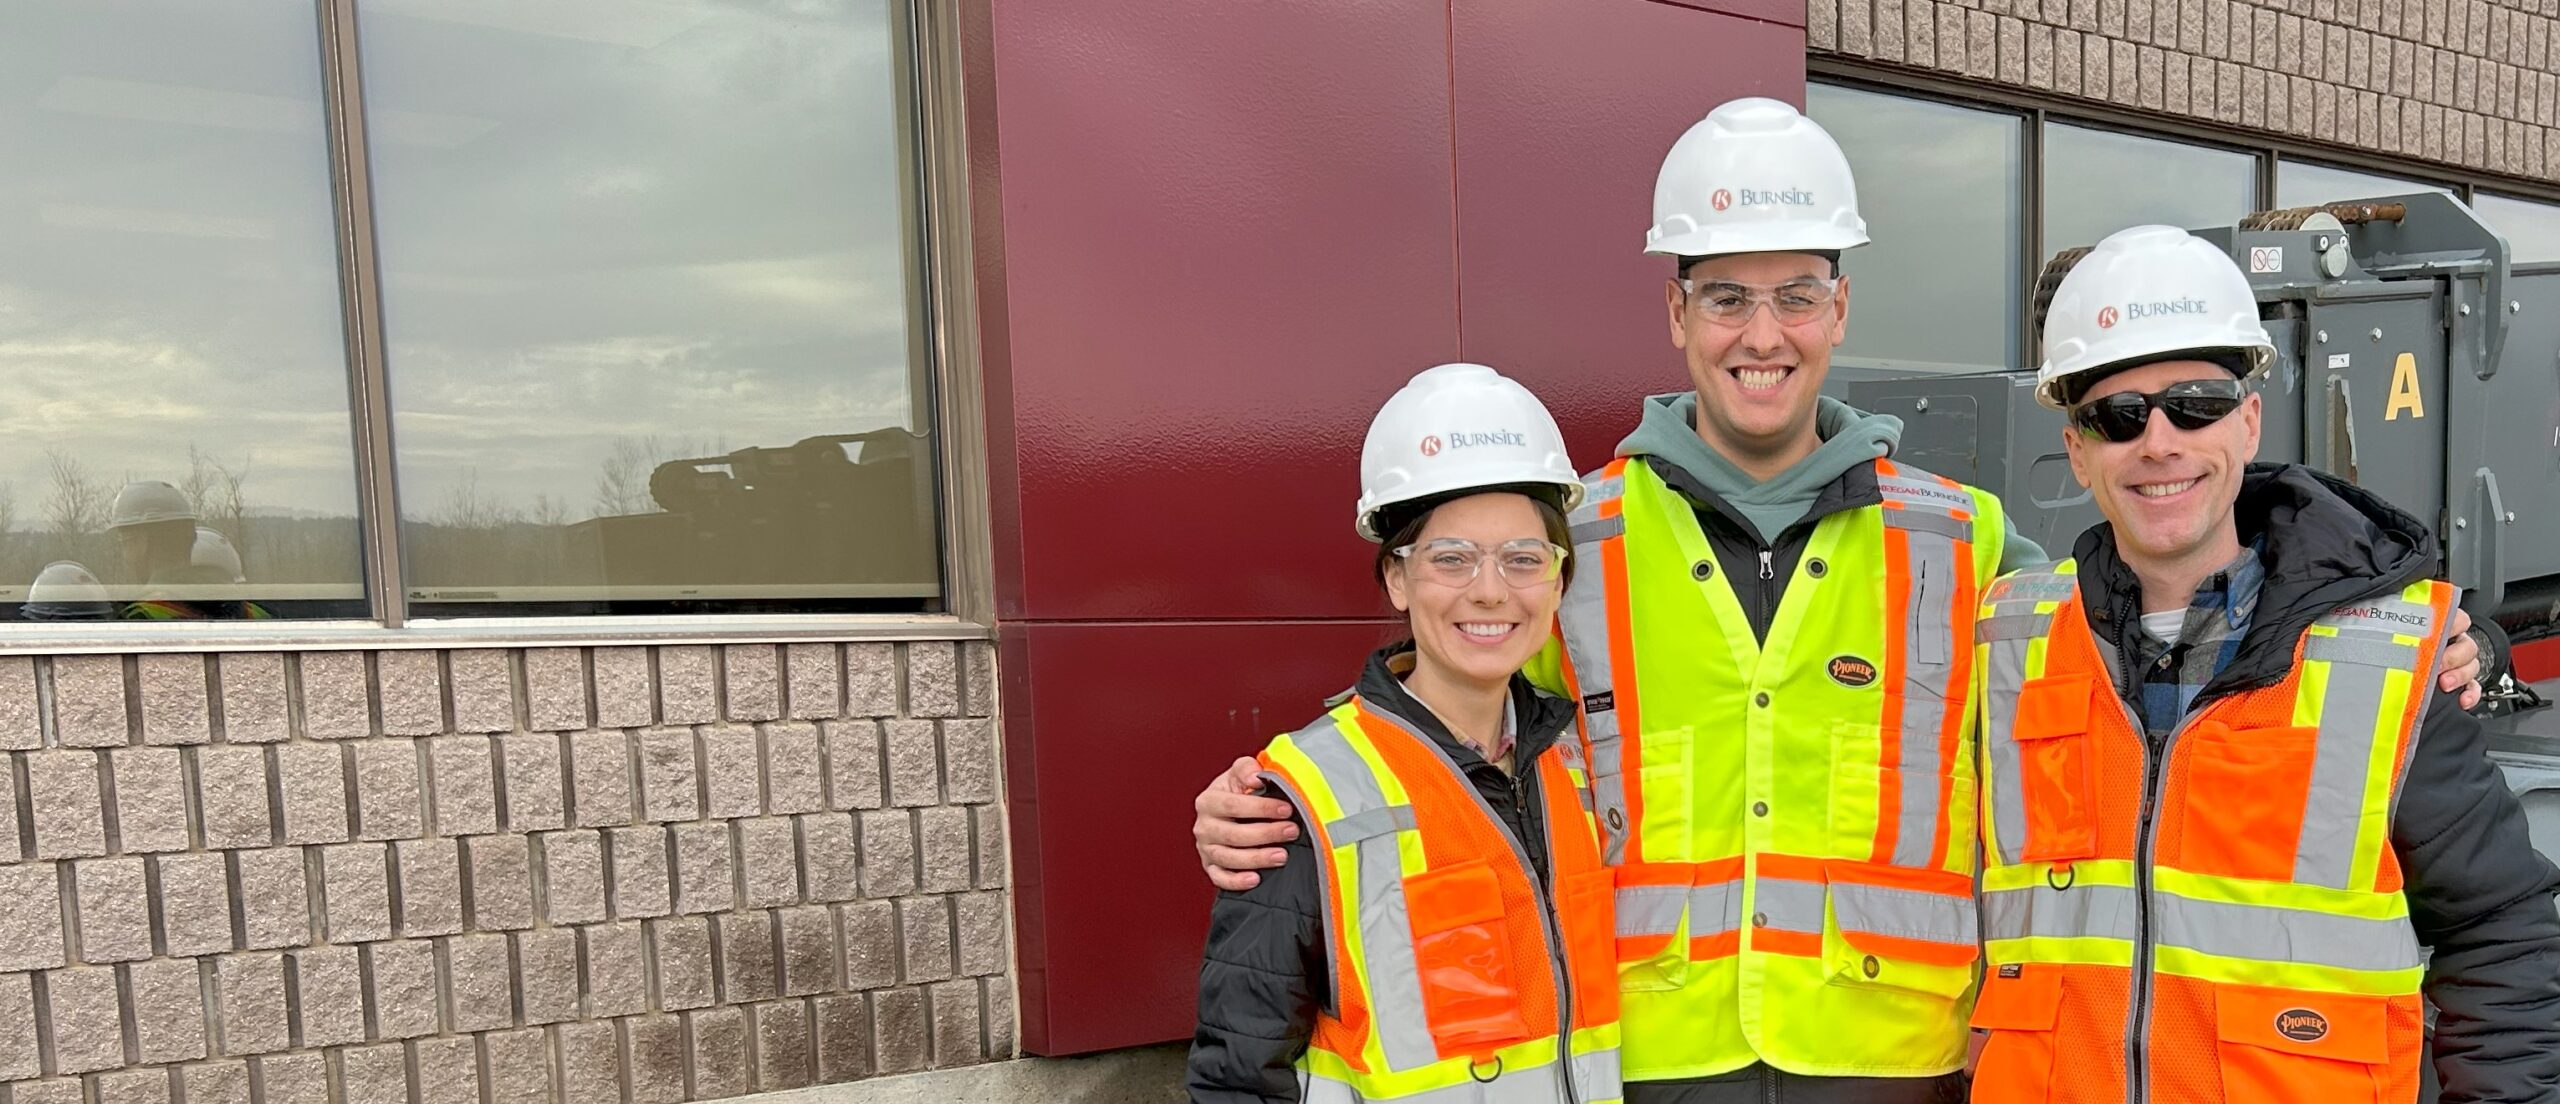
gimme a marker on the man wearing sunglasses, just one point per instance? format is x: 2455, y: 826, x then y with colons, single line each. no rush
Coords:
x: 2222, y: 812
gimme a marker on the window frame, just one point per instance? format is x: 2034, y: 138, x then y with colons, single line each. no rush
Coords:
x: 2030, y: 167
x: 934, y: 172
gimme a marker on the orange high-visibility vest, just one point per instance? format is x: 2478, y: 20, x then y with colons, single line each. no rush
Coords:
x: 1457, y: 977
x: 2225, y: 923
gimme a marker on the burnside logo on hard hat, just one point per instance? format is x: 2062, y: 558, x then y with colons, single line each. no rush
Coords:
x: 1459, y: 439
x: 1761, y: 197
x: 2154, y: 308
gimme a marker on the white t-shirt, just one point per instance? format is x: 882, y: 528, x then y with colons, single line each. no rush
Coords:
x: 2164, y: 626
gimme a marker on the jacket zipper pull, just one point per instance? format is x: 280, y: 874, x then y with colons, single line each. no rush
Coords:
x: 1766, y: 571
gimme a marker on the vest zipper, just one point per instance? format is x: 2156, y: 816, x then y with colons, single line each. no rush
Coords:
x: 1537, y: 881
x: 2155, y: 768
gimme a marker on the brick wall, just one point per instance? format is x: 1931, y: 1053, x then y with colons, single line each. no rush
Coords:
x: 610, y: 874
x: 2463, y: 82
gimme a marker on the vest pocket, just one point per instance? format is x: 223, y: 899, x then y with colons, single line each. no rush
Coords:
x: 1666, y: 792
x: 1462, y: 949
x: 2021, y: 1013
x: 2286, y: 1045
x: 2055, y: 769
x: 2241, y: 783
x: 1899, y: 928
x: 1652, y: 909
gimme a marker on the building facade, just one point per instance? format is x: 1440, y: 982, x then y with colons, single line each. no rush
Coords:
x: 747, y: 524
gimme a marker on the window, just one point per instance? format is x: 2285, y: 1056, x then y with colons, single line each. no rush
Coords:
x: 1940, y: 290
x: 2303, y: 184
x: 648, y: 309
x: 1942, y: 191
x: 2532, y: 229
x: 650, y: 279
x: 177, y: 441
x: 2097, y: 182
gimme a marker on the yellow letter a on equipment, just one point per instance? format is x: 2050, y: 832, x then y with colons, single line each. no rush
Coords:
x: 2404, y: 390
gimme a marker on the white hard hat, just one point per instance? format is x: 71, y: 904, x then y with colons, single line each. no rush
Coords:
x: 1457, y: 427
x: 214, y: 556
x: 2146, y: 294
x: 1754, y: 176
x: 66, y: 591
x: 144, y: 502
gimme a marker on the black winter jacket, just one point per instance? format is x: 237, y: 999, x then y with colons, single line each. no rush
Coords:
x: 1265, y: 976
x: 2478, y: 894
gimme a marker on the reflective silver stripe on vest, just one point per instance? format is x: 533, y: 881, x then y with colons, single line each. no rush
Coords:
x: 2342, y: 759
x: 1905, y: 913
x: 2006, y: 640
x: 2047, y: 913
x: 1650, y: 909
x: 1936, y: 523
x: 1369, y: 824
x: 1597, y: 530
x: 1584, y: 617
x: 2016, y: 626
x: 2371, y: 650
x: 2254, y: 932
x: 1386, y: 932
x: 1596, y: 1076
x: 2266, y: 934
x: 1788, y: 905
x: 1715, y: 908
x: 1929, y: 636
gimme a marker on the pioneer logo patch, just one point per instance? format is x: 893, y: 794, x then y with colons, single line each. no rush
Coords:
x: 2013, y: 970
x: 1852, y: 671
x: 2302, y: 1025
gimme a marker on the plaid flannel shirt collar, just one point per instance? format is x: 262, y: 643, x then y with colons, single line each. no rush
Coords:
x: 2174, y: 672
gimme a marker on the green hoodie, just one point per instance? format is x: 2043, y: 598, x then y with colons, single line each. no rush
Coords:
x: 1850, y: 437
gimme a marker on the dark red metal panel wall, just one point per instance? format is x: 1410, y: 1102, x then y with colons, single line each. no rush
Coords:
x: 1211, y: 239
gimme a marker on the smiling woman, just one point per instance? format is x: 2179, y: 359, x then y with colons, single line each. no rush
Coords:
x: 648, y: 306
x: 169, y: 315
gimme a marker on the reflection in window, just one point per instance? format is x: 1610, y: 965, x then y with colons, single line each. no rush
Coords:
x: 651, y: 329
x: 2302, y: 184
x: 176, y: 442
x: 1941, y: 189
x: 2532, y: 229
x: 2097, y: 182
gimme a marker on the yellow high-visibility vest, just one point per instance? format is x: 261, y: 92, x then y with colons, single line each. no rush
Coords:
x: 1792, y: 821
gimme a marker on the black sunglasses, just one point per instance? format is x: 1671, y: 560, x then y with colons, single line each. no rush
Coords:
x: 2190, y: 405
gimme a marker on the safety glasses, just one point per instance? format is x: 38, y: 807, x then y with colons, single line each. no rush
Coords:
x: 2190, y: 405
x: 1728, y: 303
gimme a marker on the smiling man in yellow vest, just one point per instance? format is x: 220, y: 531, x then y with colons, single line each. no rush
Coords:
x: 1769, y: 640
x: 2224, y: 814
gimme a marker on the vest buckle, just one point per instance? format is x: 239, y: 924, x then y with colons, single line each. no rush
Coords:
x: 2070, y: 876
x: 1473, y: 1068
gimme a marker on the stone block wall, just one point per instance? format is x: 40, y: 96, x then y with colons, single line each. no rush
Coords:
x: 2462, y: 82
x: 609, y: 875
